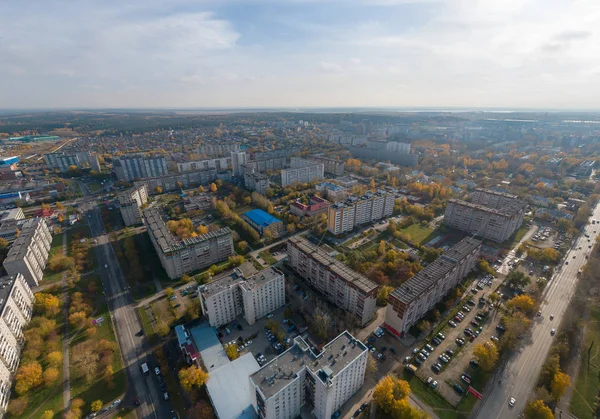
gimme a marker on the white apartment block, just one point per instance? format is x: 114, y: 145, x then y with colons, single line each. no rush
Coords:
x: 238, y: 159
x: 496, y: 224
x: 139, y: 167
x: 217, y: 149
x: 372, y: 206
x: 183, y: 256
x: 232, y: 294
x: 299, y: 378
x: 29, y: 253
x: 409, y: 303
x: 349, y: 290
x: 302, y: 171
x: 131, y: 203
x: 222, y: 163
x: 258, y: 182
x: 16, y: 308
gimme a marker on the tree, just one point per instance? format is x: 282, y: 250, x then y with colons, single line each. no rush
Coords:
x: 232, y: 352
x: 158, y: 190
x: 381, y: 248
x: 48, y: 414
x: 3, y: 243
x: 202, y: 229
x: 383, y: 294
x: 213, y: 187
x: 185, y: 278
x: 169, y: 292
x: 522, y: 302
x: 96, y: 405
x: 50, y: 376
x: 538, y: 410
x: 192, y: 377
x: 560, y: 383
x: 55, y: 358
x: 243, y: 246
x: 487, y: 355
x: 17, y: 406
x: 162, y: 328
x: 78, y: 319
x: 291, y: 227
x: 267, y: 234
x: 372, y: 185
x: 371, y: 365
x: 391, y: 396
x: 28, y: 376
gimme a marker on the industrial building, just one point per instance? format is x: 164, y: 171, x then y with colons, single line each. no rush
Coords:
x: 234, y: 294
x: 409, y: 303
x: 262, y: 221
x: 131, y: 203
x: 139, y: 166
x: 344, y: 216
x: 300, y: 378
x: 9, y: 168
x: 302, y: 171
x: 349, y: 290
x: 16, y: 308
x: 182, y: 256
x: 29, y: 253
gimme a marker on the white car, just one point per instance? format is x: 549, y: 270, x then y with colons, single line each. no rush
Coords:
x: 511, y: 402
x: 270, y: 315
x: 157, y: 371
x: 166, y: 396
x: 105, y: 266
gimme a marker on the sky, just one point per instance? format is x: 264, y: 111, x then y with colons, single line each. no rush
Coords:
x: 300, y: 53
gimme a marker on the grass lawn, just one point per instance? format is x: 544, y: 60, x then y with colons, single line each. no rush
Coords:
x: 418, y: 234
x: 97, y: 388
x: 268, y: 257
x: 588, y: 381
x: 146, y: 323
x: 432, y: 398
x: 55, y: 247
x: 162, y: 310
x: 517, y: 237
x: 94, y: 186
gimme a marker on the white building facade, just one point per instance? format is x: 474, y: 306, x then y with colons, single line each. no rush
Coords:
x: 131, y: 203
x: 238, y: 159
x: 302, y: 171
x: 222, y: 163
x: 344, y: 216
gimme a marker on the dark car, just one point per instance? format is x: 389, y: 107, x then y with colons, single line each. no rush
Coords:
x: 458, y: 389
x: 474, y: 363
x: 364, y: 406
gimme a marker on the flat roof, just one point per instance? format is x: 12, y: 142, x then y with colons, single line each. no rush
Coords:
x: 508, y: 211
x: 210, y: 348
x: 261, y: 218
x: 236, y: 276
x: 435, y: 271
x: 22, y: 243
x: 344, y: 272
x: 493, y: 192
x: 229, y: 388
x: 282, y: 370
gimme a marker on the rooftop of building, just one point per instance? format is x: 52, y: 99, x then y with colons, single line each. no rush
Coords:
x: 206, y: 341
x: 331, y: 186
x: 435, y: 271
x: 261, y: 218
x: 237, y: 276
x: 507, y: 211
x: 21, y: 244
x: 6, y: 286
x: 497, y: 193
x: 169, y: 242
x: 352, y: 277
x: 334, y: 357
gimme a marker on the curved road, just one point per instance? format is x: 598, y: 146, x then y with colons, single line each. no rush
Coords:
x: 520, y: 375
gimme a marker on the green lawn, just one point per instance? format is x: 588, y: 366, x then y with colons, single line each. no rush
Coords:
x: 418, y: 234
x: 146, y: 323
x: 432, y: 398
x: 97, y: 389
x: 517, y: 237
x: 94, y: 186
x: 268, y: 257
x: 56, y: 247
x: 588, y: 381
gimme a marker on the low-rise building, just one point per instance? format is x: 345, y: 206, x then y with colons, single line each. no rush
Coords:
x: 222, y: 163
x: 29, y: 253
x: 182, y: 256
x: 233, y: 294
x: 299, y: 377
x: 16, y: 308
x: 372, y: 206
x: 131, y: 203
x: 315, y: 206
x: 302, y: 171
x: 331, y: 191
x: 349, y: 290
x: 198, y: 202
x: 409, y: 303
x: 262, y: 221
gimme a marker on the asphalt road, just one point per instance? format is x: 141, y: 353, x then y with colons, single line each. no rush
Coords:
x: 126, y: 323
x: 519, y: 377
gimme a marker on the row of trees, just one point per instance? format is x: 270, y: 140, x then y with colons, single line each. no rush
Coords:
x: 227, y: 214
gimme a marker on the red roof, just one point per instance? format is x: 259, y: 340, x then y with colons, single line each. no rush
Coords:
x: 44, y: 212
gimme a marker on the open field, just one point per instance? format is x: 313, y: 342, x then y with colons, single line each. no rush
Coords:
x: 418, y: 234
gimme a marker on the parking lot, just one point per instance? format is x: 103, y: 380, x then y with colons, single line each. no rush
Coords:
x: 446, y: 357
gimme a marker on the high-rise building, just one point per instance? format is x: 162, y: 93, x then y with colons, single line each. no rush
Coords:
x: 349, y: 290
x: 299, y: 377
x: 409, y: 303
x: 178, y: 181
x: 16, y: 307
x: 182, y: 256
x: 238, y: 159
x: 131, y: 203
x: 222, y: 163
x: 344, y: 216
x: 333, y: 166
x: 258, y: 182
x: 232, y: 294
x: 217, y: 149
x: 139, y: 166
x: 302, y: 171
x: 81, y: 159
x: 29, y: 253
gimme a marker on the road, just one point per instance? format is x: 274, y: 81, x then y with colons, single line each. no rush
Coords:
x: 125, y: 321
x: 519, y: 377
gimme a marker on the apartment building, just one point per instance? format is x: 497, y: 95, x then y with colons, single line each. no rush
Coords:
x: 217, y: 149
x: 182, y: 256
x: 131, y: 203
x: 372, y: 206
x: 16, y: 308
x: 222, y: 163
x: 178, y: 181
x: 409, y: 303
x: 331, y: 191
x: 349, y: 290
x: 139, y: 166
x: 238, y: 159
x: 333, y: 166
x: 316, y: 206
x: 10, y: 221
x: 258, y: 182
x: 492, y: 199
x: 302, y: 171
x: 81, y: 159
x: 300, y: 378
x: 29, y: 253
x: 496, y: 224
x: 233, y: 294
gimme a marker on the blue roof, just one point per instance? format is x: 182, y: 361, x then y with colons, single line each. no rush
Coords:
x: 10, y: 195
x: 331, y: 186
x: 261, y: 218
x: 8, y: 160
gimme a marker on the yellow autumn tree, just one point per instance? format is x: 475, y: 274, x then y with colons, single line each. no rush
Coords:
x: 192, y: 377
x: 522, y: 302
x: 487, y: 355
x: 391, y: 397
x: 559, y: 385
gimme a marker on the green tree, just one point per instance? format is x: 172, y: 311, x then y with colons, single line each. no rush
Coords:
x: 96, y: 405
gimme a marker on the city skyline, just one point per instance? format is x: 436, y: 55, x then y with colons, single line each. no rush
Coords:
x: 516, y: 54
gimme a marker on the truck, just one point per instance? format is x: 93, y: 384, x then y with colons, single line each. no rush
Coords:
x: 145, y: 368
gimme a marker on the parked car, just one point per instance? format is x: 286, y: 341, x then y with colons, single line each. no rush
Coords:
x: 466, y: 378
x: 452, y: 324
x: 458, y: 389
